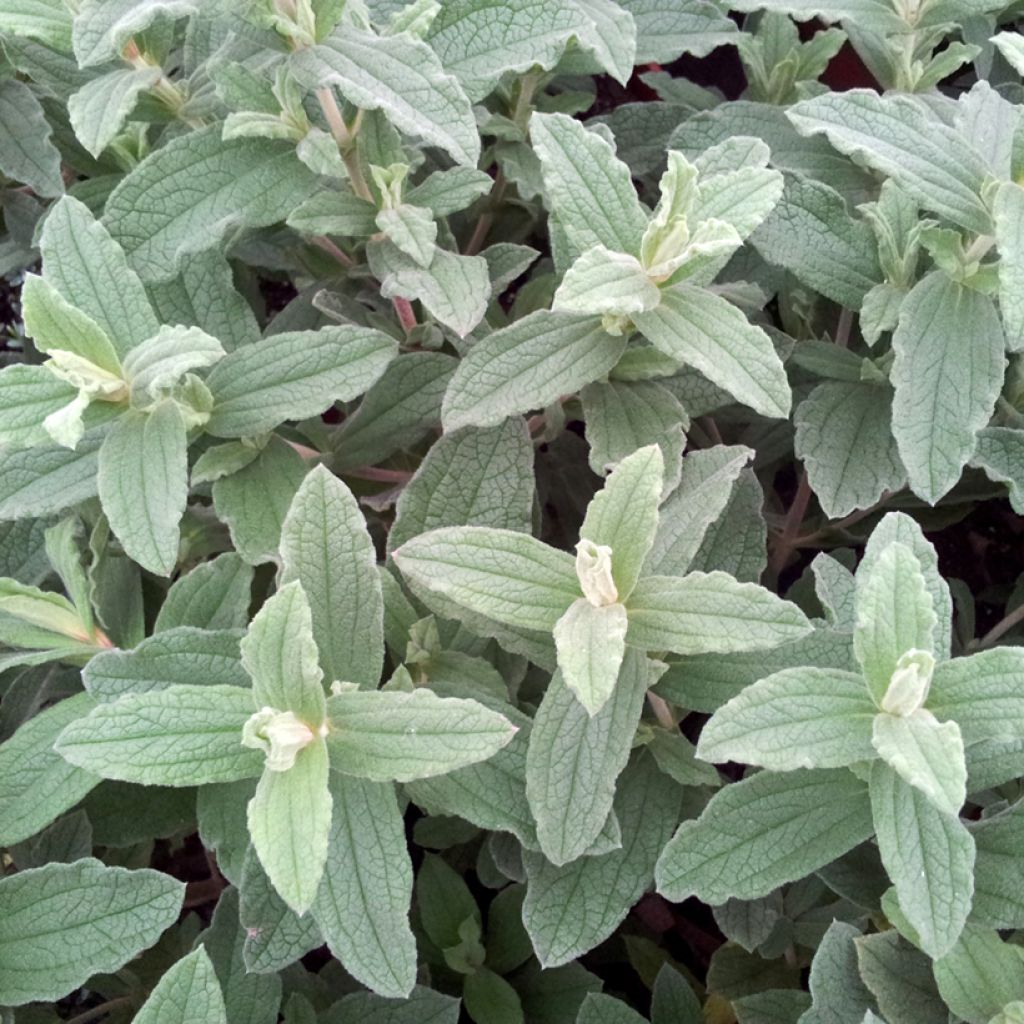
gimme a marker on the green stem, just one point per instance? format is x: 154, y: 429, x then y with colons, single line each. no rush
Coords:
x: 345, y: 140
x: 100, y: 1011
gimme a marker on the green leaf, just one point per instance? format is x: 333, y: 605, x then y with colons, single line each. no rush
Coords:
x: 588, y: 187
x: 623, y: 515
x: 998, y: 872
x: 54, y: 323
x: 65, y: 922
x: 571, y: 909
x: 1008, y: 215
x: 901, y: 138
x: 510, y: 577
x: 188, y: 991
x: 575, y: 758
x: 900, y: 978
x: 599, y: 1008
x: 980, y: 975
x: 667, y: 30
x: 455, y: 289
x: 412, y: 230
x: 423, y: 1006
x: 928, y: 854
x: 470, y: 477
x: 161, y: 361
x: 602, y: 281
x: 591, y: 643
x: 927, y: 754
x: 185, y: 735
x: 895, y: 614
x: 998, y: 453
x: 395, y: 736
x: 528, y: 365
x: 981, y: 694
x: 844, y: 438
x: 838, y: 994
x: 326, y: 547
x: 294, y: 375
x: 401, y: 76
x: 103, y: 27
x: 255, y: 501
x: 185, y: 196
x: 48, y: 21
x: 47, y: 480
x: 28, y: 395
x: 768, y: 829
x: 143, y: 484
x: 86, y: 265
x: 703, y: 330
x: 362, y: 904
x: 948, y: 373
x: 27, y: 153
x: 37, y: 784
x: 811, y: 234
x: 289, y: 820
x: 705, y: 612
x: 796, y: 718
x: 99, y: 109
x: 213, y: 595
x: 175, y: 656
x: 489, y: 996
x: 280, y: 655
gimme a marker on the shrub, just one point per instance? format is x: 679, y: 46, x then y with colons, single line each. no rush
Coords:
x: 493, y: 529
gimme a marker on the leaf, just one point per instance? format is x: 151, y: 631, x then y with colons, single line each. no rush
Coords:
x: 591, y: 642
x: 1008, y: 215
x: 37, y: 784
x: 423, y: 1006
x: 927, y: 754
x: 412, y: 229
x: 574, y: 760
x: 143, y: 484
x: 65, y: 922
x: 998, y: 871
x: 174, y: 656
x: 395, y: 736
x: 47, y: 480
x: 325, y: 546
x: 103, y: 27
x: 528, y: 365
x: 705, y: 612
x: 602, y: 281
x: 796, y: 718
x: 362, y: 904
x: 839, y: 996
x: 623, y: 515
x: 86, y: 265
x: 280, y: 655
x: 981, y: 694
x: 702, y: 330
x: 899, y: 977
x: 186, y: 195
x: 455, y: 289
x: 811, y: 234
x: 48, y: 21
x: 27, y: 153
x: 255, y: 501
x: 895, y: 614
x: 588, y: 187
x: 599, y: 1008
x: 980, y: 975
x: 928, y: 854
x: 844, y: 437
x: 213, y: 595
x: 508, y: 576
x: 401, y: 76
x: 162, y: 361
x: 486, y: 992
x: 294, y: 375
x: 289, y: 820
x: 185, y: 735
x: 28, y: 395
x: 948, y: 335
x: 99, y: 109
x: 665, y: 30
x: 569, y: 910
x: 998, y: 453
x: 768, y: 829
x: 188, y: 991
x: 470, y: 478
x: 901, y: 138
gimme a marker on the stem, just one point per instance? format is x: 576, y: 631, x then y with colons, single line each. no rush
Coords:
x: 99, y: 1011
x: 811, y: 539
x: 483, y: 225
x: 406, y: 316
x: 662, y: 712
x: 843, y: 328
x: 794, y: 518
x: 323, y: 242
x: 345, y: 140
x: 388, y: 476
x: 1004, y: 625
x: 979, y: 248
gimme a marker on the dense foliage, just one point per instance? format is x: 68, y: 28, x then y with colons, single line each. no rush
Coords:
x: 492, y: 529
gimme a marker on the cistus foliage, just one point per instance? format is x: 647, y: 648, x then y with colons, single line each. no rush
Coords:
x: 510, y: 512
